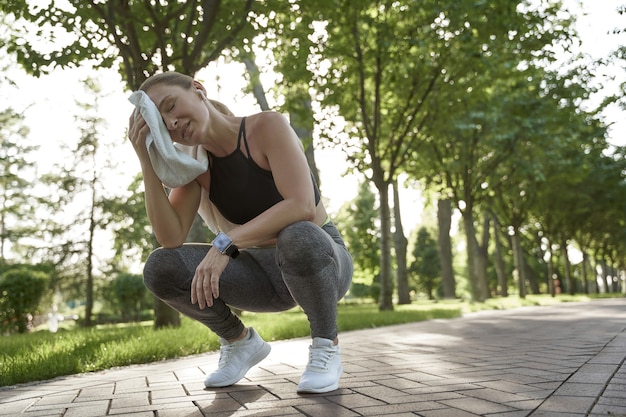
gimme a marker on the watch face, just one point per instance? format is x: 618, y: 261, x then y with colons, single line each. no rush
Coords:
x: 222, y: 242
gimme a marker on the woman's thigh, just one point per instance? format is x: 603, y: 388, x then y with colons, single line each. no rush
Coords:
x: 253, y: 282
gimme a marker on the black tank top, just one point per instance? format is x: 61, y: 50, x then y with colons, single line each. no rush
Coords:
x: 240, y: 189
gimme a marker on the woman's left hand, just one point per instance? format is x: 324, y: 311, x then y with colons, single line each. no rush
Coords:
x: 205, y: 284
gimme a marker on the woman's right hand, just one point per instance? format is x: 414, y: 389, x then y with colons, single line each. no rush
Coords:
x: 137, y: 133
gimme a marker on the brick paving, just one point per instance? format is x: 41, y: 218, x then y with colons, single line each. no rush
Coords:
x: 564, y: 360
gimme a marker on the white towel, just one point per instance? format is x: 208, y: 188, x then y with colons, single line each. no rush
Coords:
x: 172, y: 162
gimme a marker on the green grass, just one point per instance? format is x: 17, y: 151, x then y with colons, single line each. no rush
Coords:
x: 43, y: 355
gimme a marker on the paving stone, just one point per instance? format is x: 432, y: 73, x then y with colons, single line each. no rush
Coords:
x: 563, y: 404
x: 518, y: 413
x: 493, y: 395
x: 325, y: 410
x: 477, y: 406
x: 447, y: 412
x: 130, y: 400
x: 418, y: 407
x: 181, y: 412
x: 508, y: 386
x: 580, y: 389
x: 90, y: 409
x: 55, y: 399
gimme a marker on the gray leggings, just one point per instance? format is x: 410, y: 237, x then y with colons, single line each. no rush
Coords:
x: 309, y: 267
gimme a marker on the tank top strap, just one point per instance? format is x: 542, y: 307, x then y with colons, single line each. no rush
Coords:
x: 242, y: 134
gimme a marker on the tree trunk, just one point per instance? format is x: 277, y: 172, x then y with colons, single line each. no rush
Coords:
x: 444, y: 220
x: 550, y: 268
x: 529, y: 274
x: 254, y: 79
x: 164, y: 315
x: 604, y: 275
x: 500, y: 267
x: 400, y: 244
x: 386, y: 281
x: 92, y: 228
x: 477, y: 284
x: 483, y: 255
x: 583, y: 271
x: 519, y: 264
x: 571, y: 285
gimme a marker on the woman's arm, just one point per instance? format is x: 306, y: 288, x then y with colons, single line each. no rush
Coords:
x: 171, y: 218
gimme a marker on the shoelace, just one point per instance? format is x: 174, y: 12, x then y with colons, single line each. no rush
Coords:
x: 226, y: 352
x: 319, y: 357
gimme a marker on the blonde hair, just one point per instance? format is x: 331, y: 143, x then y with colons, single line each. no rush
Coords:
x: 221, y: 107
x: 181, y: 80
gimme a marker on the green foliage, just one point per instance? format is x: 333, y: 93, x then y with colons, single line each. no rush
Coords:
x: 129, y: 295
x: 426, y: 264
x: 141, y: 38
x: 360, y: 230
x: 17, y: 208
x: 21, y: 290
x: 132, y: 232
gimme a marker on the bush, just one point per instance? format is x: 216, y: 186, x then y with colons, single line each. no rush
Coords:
x: 130, y: 296
x: 21, y: 290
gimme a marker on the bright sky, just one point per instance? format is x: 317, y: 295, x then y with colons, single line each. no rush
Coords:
x: 49, y: 106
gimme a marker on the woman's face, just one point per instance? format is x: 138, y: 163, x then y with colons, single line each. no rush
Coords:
x: 182, y: 110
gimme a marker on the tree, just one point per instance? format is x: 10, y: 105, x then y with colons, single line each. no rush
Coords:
x: 444, y: 243
x: 132, y: 233
x: 400, y: 246
x: 357, y: 221
x: 425, y: 263
x: 21, y: 289
x: 137, y: 38
x: 372, y: 74
x: 73, y: 198
x: 17, y: 214
x: 87, y: 155
x: 129, y: 294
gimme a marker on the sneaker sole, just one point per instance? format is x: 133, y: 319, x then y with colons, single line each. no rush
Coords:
x: 255, y: 359
x: 323, y: 390
x: 332, y: 387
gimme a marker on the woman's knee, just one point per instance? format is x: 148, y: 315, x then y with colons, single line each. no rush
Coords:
x: 303, y: 235
x: 159, y: 270
x: 305, y: 246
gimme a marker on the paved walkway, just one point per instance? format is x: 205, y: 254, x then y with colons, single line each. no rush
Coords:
x: 566, y: 360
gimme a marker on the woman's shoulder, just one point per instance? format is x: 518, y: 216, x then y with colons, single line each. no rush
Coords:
x: 269, y: 129
x: 267, y: 122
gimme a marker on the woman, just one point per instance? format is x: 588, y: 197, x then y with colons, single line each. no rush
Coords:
x: 276, y: 247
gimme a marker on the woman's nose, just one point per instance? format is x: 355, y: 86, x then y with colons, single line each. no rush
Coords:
x: 171, y: 123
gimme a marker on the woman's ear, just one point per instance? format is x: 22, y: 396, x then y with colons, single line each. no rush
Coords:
x: 199, y: 88
x: 196, y: 85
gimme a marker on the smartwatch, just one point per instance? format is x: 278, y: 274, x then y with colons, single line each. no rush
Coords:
x: 225, y: 245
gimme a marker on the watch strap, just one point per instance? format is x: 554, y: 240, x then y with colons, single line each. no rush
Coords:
x: 232, y: 251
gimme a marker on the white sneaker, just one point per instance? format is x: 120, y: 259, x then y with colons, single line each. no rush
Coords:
x: 237, y: 358
x: 324, y: 368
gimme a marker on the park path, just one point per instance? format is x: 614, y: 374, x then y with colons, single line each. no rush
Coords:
x: 564, y: 360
